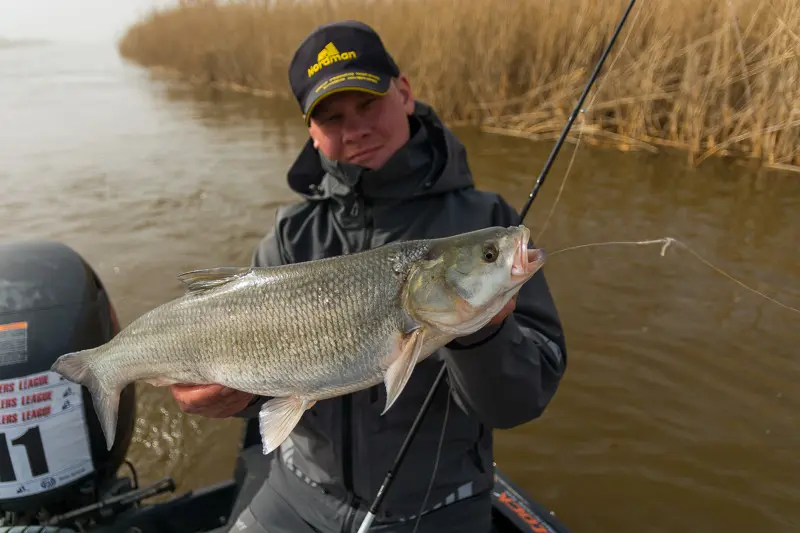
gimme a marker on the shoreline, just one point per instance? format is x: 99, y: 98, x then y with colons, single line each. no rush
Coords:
x: 622, y: 144
x: 721, y: 89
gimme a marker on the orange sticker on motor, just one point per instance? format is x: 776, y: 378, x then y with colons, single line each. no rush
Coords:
x: 13, y: 343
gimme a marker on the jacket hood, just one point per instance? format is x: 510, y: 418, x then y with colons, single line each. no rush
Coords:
x: 314, y: 177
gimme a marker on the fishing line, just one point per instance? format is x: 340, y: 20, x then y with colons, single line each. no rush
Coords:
x: 583, y: 123
x: 666, y: 242
x: 435, y: 463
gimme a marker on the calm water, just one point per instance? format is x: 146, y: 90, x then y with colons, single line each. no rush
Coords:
x: 680, y: 408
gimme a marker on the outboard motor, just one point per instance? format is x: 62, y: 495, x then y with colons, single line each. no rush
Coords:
x: 53, y: 455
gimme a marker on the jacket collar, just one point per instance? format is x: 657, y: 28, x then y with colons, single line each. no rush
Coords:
x: 433, y: 161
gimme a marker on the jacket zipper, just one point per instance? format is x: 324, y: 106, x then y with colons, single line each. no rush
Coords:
x: 347, y: 400
x: 347, y: 457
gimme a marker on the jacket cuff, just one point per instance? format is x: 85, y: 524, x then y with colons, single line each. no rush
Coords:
x: 489, y: 372
x: 252, y: 408
x: 481, y: 336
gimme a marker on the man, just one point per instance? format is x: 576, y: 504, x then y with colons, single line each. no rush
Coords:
x: 379, y: 167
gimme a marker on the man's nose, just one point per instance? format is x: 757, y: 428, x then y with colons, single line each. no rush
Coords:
x: 355, y: 127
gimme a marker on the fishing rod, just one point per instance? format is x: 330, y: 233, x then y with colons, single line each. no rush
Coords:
x: 390, y: 475
x: 563, y: 137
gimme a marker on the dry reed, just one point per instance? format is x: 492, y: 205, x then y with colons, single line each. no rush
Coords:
x: 716, y: 78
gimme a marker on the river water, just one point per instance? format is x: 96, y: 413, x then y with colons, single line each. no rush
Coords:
x: 679, y: 411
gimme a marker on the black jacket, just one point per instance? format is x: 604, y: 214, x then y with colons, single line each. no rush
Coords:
x: 501, y: 376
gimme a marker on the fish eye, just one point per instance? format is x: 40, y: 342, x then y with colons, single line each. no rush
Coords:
x: 490, y: 253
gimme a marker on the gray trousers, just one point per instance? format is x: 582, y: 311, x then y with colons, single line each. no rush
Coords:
x: 260, y: 508
x: 269, y: 512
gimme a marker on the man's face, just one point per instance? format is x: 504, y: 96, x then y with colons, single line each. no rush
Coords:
x: 361, y: 128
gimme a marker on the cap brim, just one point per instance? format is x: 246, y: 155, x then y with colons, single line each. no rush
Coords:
x: 356, y: 80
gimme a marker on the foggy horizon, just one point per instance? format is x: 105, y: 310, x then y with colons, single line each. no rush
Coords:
x: 76, y: 22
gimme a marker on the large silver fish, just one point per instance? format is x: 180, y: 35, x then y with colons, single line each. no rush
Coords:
x: 306, y: 332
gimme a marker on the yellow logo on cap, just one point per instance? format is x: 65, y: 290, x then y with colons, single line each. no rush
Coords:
x: 327, y: 56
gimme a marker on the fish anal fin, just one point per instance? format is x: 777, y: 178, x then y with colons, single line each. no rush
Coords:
x: 278, y: 417
x: 402, y: 365
x: 205, y: 279
x: 161, y: 381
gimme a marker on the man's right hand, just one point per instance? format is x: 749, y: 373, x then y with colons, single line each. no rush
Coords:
x: 213, y: 401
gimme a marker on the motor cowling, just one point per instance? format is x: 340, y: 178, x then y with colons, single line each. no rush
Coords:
x: 53, y: 453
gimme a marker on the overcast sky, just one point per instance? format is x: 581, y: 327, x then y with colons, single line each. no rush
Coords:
x: 71, y: 20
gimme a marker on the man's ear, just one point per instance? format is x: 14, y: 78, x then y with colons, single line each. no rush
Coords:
x: 311, y: 133
x: 403, y: 86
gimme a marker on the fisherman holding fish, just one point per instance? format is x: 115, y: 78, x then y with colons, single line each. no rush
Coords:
x: 380, y: 168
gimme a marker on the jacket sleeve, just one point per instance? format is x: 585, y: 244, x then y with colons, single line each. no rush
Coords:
x: 507, y: 374
x: 268, y: 252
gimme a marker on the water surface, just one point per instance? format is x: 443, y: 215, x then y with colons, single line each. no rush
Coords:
x: 679, y: 411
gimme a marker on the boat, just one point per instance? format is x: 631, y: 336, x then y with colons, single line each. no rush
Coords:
x: 56, y: 475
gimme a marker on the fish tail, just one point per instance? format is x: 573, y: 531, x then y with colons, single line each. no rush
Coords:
x: 78, y: 367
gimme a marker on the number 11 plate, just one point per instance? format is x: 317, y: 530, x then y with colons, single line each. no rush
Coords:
x: 44, y: 442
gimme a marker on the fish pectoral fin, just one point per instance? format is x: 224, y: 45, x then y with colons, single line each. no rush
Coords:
x: 202, y: 280
x: 399, y: 371
x: 277, y: 419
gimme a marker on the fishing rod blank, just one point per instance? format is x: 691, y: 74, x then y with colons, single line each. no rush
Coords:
x: 367, y: 522
x: 575, y: 112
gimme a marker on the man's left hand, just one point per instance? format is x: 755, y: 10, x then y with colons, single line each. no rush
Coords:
x: 505, y: 311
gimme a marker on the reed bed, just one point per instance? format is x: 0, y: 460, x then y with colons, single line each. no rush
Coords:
x: 715, y: 78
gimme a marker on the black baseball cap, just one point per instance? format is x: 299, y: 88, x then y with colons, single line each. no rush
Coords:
x: 340, y: 56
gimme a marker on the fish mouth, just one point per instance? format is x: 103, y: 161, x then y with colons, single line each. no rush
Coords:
x: 526, y: 262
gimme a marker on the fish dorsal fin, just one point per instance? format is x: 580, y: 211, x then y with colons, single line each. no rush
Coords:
x: 198, y: 281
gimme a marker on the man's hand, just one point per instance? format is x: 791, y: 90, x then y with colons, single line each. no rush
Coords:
x: 505, y: 311
x: 213, y: 401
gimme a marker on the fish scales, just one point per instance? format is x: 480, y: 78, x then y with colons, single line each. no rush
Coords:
x: 255, y: 334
